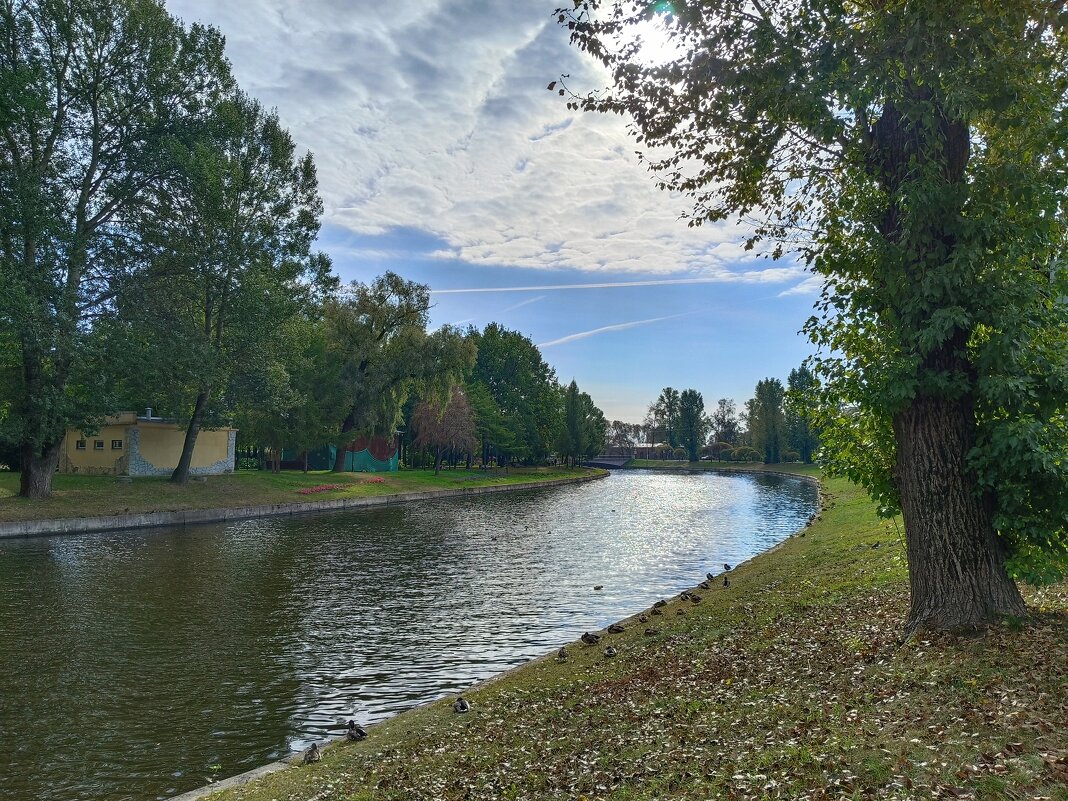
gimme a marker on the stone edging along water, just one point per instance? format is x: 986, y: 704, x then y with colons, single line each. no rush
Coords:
x: 185, y: 517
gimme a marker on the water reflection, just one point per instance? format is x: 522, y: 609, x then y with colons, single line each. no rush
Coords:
x: 137, y: 665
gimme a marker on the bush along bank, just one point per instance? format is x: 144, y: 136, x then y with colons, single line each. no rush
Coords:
x: 793, y: 682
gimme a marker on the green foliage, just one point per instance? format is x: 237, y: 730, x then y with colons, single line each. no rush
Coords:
x: 693, y: 425
x: 524, y: 393
x: 229, y: 266
x: 767, y: 424
x: 725, y: 423
x: 800, y: 406
x: 377, y: 334
x: 662, y: 419
x: 95, y: 97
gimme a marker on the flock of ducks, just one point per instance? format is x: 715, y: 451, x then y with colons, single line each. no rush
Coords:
x: 355, y: 732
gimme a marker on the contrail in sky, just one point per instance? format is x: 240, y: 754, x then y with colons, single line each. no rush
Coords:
x: 607, y: 328
x: 606, y: 285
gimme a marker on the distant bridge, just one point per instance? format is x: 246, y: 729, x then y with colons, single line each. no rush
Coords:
x: 607, y: 462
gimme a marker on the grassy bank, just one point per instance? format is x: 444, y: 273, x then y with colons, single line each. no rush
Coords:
x: 89, y: 496
x: 791, y: 683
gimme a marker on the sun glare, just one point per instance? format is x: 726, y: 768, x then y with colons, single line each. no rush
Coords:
x: 657, y: 46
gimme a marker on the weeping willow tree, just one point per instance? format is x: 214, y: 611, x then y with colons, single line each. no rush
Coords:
x: 912, y: 154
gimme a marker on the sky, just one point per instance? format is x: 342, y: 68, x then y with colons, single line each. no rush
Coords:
x: 442, y: 157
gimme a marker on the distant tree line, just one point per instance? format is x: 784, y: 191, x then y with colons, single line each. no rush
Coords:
x: 777, y: 424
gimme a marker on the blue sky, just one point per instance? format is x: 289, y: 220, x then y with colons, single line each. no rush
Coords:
x: 442, y: 157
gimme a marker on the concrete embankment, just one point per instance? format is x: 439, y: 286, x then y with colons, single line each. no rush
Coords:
x: 185, y: 517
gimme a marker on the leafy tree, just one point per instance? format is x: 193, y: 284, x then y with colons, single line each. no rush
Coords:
x: 692, y: 422
x: 767, y: 425
x: 94, y: 95
x: 913, y: 154
x: 663, y: 416
x: 230, y: 262
x: 378, y: 335
x: 571, y: 442
x: 801, y: 408
x: 490, y: 424
x: 583, y: 429
x: 448, y: 427
x: 725, y: 423
x: 524, y: 390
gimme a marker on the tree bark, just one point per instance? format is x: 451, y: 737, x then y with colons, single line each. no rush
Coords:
x: 339, y: 458
x: 956, y: 564
x: 38, y: 468
x: 305, y: 461
x: 181, y: 472
x: 437, y: 461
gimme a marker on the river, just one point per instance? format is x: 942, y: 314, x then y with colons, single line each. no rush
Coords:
x: 138, y: 665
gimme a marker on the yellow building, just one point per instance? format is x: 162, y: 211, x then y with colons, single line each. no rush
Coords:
x: 128, y: 445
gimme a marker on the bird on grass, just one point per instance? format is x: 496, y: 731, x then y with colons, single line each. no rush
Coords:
x: 709, y: 576
x: 609, y: 652
x: 684, y: 595
x: 680, y: 612
x: 726, y: 568
x: 655, y: 611
x: 660, y: 603
x: 590, y: 639
x: 313, y: 754
x: 704, y: 585
x: 355, y: 732
x: 563, y: 655
x: 615, y: 628
x: 461, y: 705
x: 651, y: 631
x: 694, y: 598
x: 643, y: 618
x: 726, y: 582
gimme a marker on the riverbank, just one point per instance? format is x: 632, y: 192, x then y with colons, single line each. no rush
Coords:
x: 94, y: 503
x: 791, y: 683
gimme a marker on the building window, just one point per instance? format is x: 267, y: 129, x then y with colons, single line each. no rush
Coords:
x: 98, y: 444
x: 116, y: 444
x: 80, y: 445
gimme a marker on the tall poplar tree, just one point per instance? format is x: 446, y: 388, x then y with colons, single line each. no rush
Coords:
x: 230, y: 260
x: 911, y: 151
x: 92, y: 97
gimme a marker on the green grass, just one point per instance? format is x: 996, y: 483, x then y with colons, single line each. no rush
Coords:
x: 91, y: 496
x: 793, y: 683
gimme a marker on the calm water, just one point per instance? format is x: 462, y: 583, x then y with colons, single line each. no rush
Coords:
x: 137, y: 665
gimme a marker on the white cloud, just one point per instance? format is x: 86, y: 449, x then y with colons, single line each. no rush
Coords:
x: 810, y: 286
x: 433, y: 115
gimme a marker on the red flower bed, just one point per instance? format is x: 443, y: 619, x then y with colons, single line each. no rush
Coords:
x: 375, y: 480
x: 320, y: 488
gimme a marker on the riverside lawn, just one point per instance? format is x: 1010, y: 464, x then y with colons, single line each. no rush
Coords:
x: 792, y: 683
x: 92, y: 496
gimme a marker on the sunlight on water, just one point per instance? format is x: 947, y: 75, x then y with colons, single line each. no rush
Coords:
x: 138, y: 665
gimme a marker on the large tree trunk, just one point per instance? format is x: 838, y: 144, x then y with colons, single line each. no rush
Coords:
x: 38, y: 468
x: 339, y: 457
x: 437, y: 461
x: 956, y: 565
x: 181, y: 472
